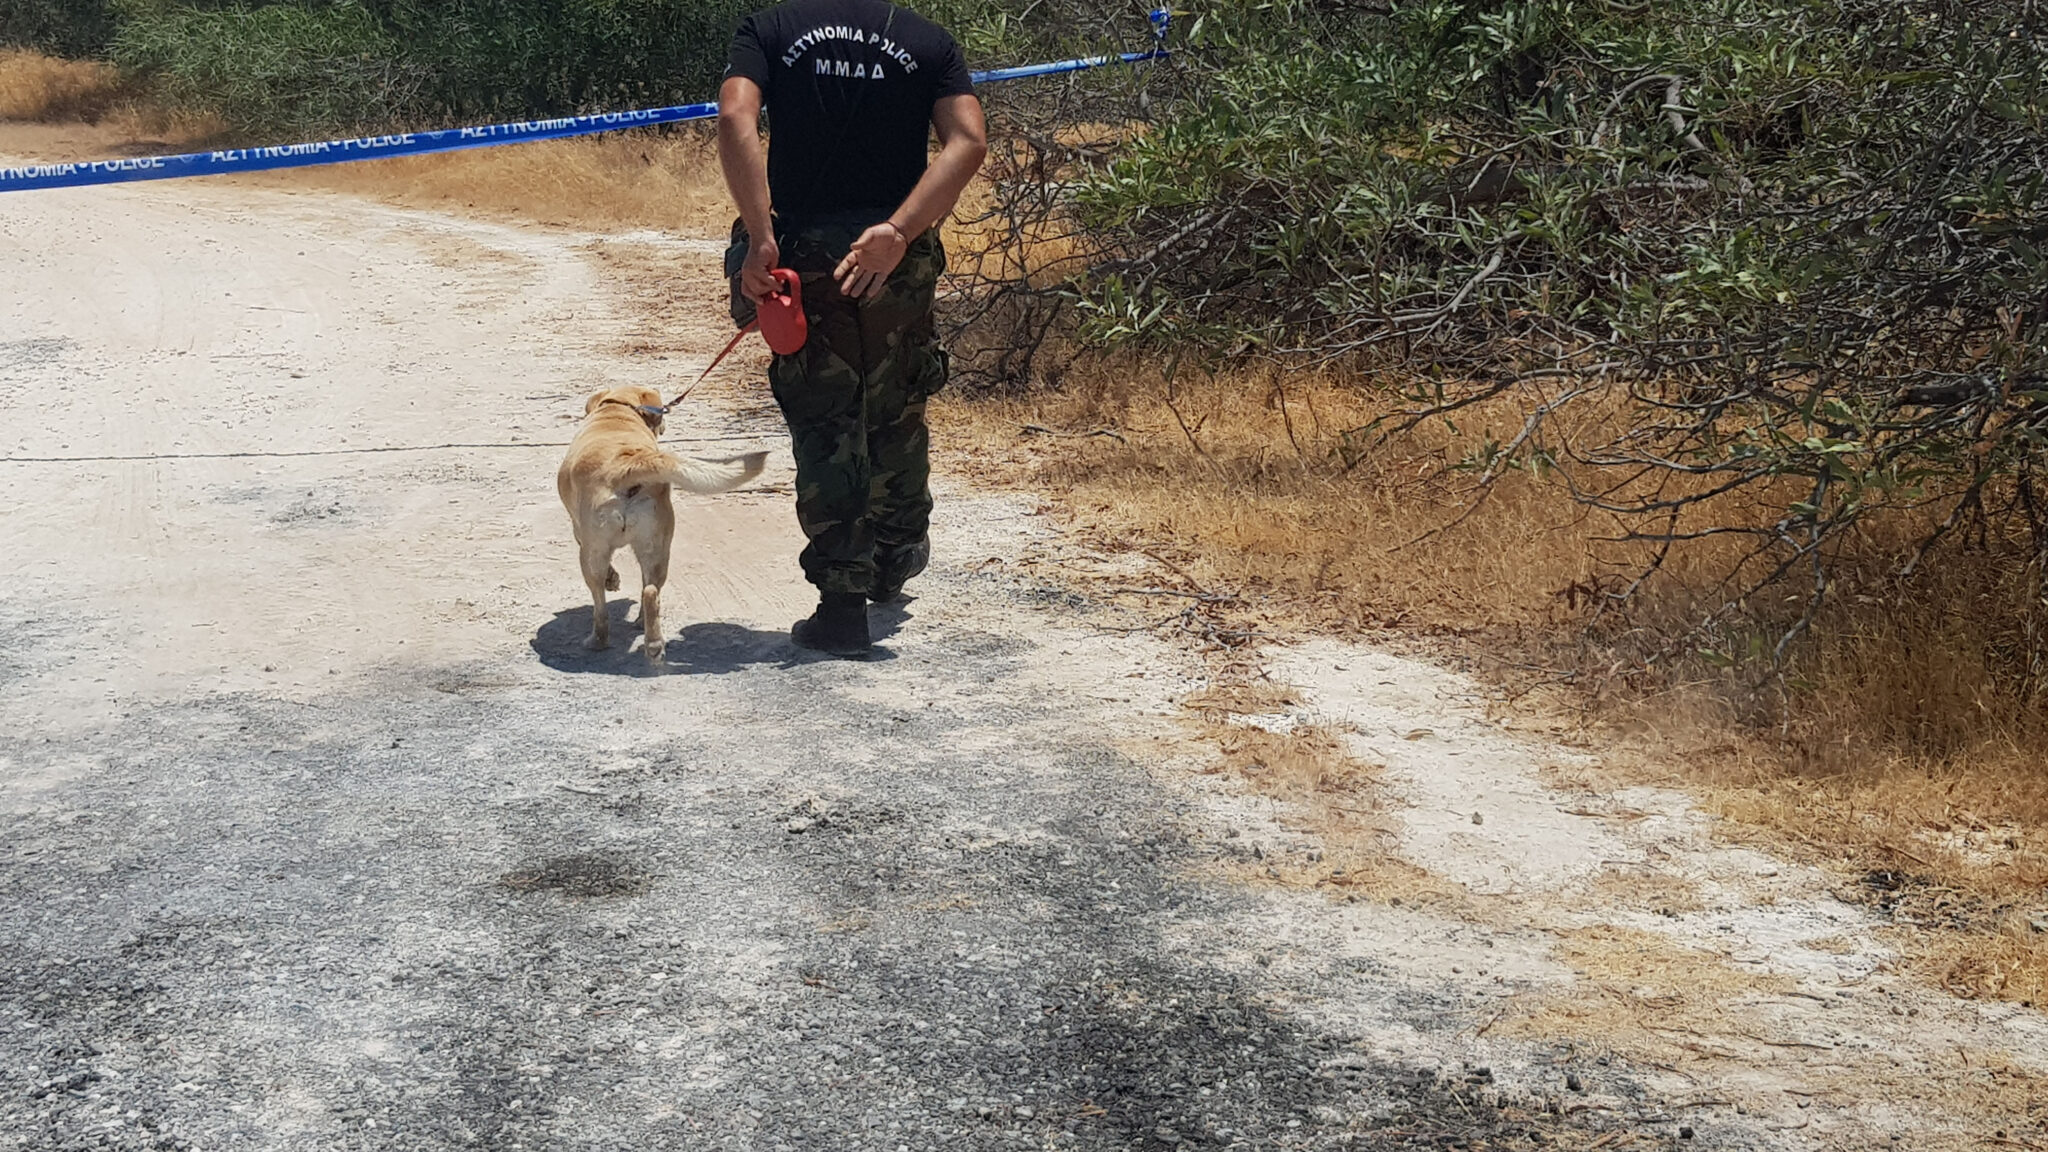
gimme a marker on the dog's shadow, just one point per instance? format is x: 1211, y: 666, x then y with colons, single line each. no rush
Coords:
x: 698, y: 650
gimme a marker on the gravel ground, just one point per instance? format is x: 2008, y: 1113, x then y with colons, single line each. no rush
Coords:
x: 488, y: 908
x: 318, y: 830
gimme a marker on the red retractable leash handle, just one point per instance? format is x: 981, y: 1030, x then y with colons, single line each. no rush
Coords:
x: 780, y: 314
x: 778, y: 317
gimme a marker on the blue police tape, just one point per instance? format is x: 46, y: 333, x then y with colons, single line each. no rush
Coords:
x: 223, y: 161
x: 994, y: 75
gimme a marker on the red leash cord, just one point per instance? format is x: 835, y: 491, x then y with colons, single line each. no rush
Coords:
x: 715, y: 362
x: 782, y: 313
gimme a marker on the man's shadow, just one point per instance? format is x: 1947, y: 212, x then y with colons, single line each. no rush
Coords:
x: 712, y: 648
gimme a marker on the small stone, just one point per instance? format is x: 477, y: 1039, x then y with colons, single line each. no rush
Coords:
x: 1685, y: 1132
x: 1573, y: 1083
x: 1478, y: 819
x: 801, y: 824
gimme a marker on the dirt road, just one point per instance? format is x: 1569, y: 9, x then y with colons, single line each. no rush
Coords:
x: 318, y: 830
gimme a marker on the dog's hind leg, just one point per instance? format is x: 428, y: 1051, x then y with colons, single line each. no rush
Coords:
x: 650, y: 548
x: 652, y: 644
x: 653, y: 574
x: 598, y: 575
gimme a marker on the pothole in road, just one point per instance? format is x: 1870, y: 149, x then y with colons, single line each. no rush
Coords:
x: 586, y: 874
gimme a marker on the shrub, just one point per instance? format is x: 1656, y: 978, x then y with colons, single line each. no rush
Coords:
x: 531, y: 57
x: 1802, y: 241
x: 326, y: 65
x: 278, y: 68
x: 77, y: 28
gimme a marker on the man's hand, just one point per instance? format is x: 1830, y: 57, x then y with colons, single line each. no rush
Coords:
x: 762, y: 254
x: 963, y: 143
x: 868, y: 263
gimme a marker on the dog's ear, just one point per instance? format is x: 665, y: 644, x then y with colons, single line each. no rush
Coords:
x: 596, y: 398
x: 649, y: 397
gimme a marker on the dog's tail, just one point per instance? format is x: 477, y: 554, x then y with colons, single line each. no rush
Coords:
x: 695, y: 475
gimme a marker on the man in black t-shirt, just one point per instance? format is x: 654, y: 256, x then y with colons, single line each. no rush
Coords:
x: 845, y: 197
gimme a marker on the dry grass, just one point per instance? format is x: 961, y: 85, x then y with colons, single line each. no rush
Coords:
x: 1331, y: 794
x: 1233, y: 477
x: 1295, y: 763
x: 1646, y: 889
x: 1905, y: 751
x: 1663, y: 1005
x: 41, y: 89
x: 1954, y: 850
x: 664, y: 179
x: 100, y: 113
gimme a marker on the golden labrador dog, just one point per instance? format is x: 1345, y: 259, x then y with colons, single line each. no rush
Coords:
x: 615, y: 483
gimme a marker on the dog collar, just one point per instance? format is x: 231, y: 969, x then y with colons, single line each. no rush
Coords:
x: 648, y: 412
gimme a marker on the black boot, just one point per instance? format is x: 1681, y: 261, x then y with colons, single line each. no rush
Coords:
x: 839, y: 626
x: 894, y: 571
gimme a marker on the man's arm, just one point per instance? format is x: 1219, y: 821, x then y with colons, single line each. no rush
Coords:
x: 963, y: 144
x: 745, y: 163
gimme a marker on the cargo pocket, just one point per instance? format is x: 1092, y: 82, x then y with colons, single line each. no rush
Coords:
x: 736, y: 259
x: 930, y: 365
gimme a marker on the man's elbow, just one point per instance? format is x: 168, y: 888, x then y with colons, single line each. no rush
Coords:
x: 734, y: 121
x: 739, y: 108
x: 973, y: 149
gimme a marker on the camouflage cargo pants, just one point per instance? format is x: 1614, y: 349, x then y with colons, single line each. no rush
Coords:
x: 854, y: 398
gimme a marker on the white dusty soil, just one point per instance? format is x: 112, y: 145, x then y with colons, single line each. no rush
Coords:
x: 318, y: 829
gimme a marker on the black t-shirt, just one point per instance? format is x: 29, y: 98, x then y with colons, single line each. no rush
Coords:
x: 849, y: 87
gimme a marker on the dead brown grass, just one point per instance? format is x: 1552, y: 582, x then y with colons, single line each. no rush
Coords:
x: 1331, y: 794
x: 1292, y: 764
x: 1646, y: 889
x: 1234, y: 478
x: 651, y: 178
x: 1966, y: 905
x: 85, y: 110
x: 35, y: 87
x: 1905, y: 749
x: 1667, y: 1006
